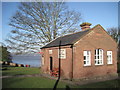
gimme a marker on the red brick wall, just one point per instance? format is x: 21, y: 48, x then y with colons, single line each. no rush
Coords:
x: 65, y: 63
x: 98, y: 38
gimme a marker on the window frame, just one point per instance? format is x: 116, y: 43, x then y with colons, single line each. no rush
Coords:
x: 62, y: 53
x: 50, y: 51
x: 88, y: 58
x: 111, y: 59
x: 99, y: 56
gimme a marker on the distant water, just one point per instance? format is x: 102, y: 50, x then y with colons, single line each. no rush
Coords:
x: 32, y: 60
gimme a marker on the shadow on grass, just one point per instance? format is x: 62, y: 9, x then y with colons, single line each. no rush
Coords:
x: 118, y: 83
x: 55, y: 86
x: 11, y: 82
x: 56, y: 83
x: 67, y: 87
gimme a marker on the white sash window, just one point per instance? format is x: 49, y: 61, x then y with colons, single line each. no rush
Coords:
x: 87, y: 58
x: 98, y: 57
x: 109, y: 57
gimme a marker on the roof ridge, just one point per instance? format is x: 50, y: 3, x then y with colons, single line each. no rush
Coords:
x: 82, y: 31
x: 72, y: 33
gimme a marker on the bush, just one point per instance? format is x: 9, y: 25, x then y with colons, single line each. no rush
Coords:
x: 5, y: 54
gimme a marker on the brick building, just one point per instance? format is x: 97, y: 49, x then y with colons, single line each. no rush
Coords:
x: 85, y: 54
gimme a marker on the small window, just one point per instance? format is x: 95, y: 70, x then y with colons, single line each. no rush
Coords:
x: 87, y: 58
x: 109, y: 57
x: 98, y: 57
x: 50, y: 51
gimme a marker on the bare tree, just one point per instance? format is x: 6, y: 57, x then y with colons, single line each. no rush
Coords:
x: 114, y: 32
x: 37, y: 23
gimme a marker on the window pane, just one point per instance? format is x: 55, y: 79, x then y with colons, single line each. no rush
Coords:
x: 95, y: 61
x: 87, y: 52
x: 97, y: 57
x: 87, y: 62
x: 88, y: 58
x: 98, y: 62
x: 110, y: 57
x: 84, y: 57
x: 84, y: 62
x: 98, y: 51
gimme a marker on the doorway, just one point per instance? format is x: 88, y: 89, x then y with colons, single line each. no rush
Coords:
x: 51, y: 63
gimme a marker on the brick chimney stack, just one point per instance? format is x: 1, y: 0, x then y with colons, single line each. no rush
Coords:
x: 85, y: 26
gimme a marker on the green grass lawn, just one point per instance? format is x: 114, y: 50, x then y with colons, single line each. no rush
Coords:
x: 42, y: 82
x: 104, y: 84
x: 31, y: 82
x: 20, y: 71
x: 27, y: 82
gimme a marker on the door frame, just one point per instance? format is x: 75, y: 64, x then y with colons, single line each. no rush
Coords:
x: 51, y: 63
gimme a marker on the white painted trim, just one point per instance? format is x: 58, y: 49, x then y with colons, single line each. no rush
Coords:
x: 63, y: 53
x: 50, y: 51
x: 88, y: 58
x: 108, y: 54
x: 99, y: 55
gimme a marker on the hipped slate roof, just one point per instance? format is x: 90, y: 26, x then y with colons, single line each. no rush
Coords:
x: 67, y: 39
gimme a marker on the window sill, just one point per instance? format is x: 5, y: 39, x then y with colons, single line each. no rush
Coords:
x: 110, y: 64
x: 98, y: 64
x: 87, y: 65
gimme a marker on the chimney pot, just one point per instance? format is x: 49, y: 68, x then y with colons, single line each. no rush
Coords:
x: 85, y: 26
